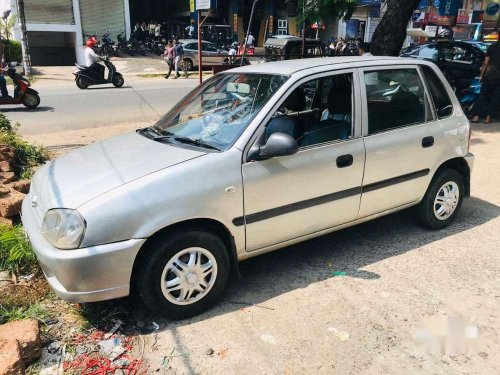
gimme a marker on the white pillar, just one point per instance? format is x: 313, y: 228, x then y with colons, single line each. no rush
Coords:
x: 79, y: 47
x: 128, y: 28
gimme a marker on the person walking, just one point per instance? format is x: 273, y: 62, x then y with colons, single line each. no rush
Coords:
x: 489, y: 99
x: 178, y: 59
x: 169, y: 56
x: 364, y: 49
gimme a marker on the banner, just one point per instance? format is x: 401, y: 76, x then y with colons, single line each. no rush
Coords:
x: 448, y: 8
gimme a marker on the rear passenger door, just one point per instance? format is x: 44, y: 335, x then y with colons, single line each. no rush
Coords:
x: 403, y: 138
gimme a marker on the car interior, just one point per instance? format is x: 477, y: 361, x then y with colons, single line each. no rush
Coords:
x: 316, y: 112
x: 395, y: 99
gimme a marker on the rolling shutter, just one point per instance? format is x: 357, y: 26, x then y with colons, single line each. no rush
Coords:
x: 49, y: 11
x: 99, y: 16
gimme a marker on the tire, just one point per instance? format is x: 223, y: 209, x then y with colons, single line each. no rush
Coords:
x: 82, y: 83
x: 431, y: 213
x: 163, y: 260
x: 188, y: 64
x: 31, y: 99
x: 118, y: 81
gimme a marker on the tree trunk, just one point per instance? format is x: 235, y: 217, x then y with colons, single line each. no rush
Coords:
x: 390, y: 34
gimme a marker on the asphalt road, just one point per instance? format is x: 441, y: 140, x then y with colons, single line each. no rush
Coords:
x: 65, y: 107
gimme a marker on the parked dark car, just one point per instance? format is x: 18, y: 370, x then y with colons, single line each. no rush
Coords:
x: 459, y: 61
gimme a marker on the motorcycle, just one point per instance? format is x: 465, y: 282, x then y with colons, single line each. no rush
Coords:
x: 23, y: 94
x: 85, y: 76
x: 107, y: 45
x: 468, y: 97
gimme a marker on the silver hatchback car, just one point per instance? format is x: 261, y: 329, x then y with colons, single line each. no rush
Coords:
x: 255, y: 159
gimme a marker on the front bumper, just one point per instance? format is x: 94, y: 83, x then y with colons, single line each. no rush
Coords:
x: 83, y: 275
x: 469, y: 158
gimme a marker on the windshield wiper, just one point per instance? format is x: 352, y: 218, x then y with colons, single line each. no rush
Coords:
x: 196, y: 142
x: 151, y: 130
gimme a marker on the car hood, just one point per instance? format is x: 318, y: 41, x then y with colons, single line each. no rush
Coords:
x: 74, y: 179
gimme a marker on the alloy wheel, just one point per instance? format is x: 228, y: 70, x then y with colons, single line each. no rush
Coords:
x: 188, y: 276
x: 446, y: 200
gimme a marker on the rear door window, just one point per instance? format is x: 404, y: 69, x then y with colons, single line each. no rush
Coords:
x: 440, y: 97
x: 395, y: 98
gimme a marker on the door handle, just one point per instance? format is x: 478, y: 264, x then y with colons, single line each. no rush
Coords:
x: 344, y: 161
x: 427, y: 142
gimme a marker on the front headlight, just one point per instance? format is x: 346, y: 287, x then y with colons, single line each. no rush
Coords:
x: 63, y: 228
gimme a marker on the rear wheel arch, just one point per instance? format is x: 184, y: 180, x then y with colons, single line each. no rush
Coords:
x: 460, y: 165
x: 210, y: 225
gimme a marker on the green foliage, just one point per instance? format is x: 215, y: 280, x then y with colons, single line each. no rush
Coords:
x: 5, y: 124
x: 310, y: 11
x: 13, y: 51
x: 35, y: 311
x: 28, y: 155
x: 6, y: 28
x: 15, y: 250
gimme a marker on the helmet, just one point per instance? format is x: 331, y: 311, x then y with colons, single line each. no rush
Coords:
x: 91, y: 42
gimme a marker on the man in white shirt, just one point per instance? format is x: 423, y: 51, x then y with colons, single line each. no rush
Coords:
x: 91, y: 58
x: 250, y: 40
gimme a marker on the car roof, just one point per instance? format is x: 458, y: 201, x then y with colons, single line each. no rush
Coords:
x: 289, y: 67
x: 186, y: 41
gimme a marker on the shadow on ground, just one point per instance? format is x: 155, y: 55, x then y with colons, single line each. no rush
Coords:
x: 279, y: 272
x: 21, y: 108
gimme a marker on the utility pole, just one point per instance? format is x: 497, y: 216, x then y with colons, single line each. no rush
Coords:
x: 24, y: 38
x: 248, y: 33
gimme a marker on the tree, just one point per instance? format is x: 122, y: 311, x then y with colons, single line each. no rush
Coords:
x: 7, y: 26
x: 390, y: 33
x: 310, y: 11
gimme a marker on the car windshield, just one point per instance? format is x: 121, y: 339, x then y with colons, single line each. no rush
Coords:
x: 216, y: 113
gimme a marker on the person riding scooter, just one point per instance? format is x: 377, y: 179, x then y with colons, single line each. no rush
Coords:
x: 3, y: 82
x: 91, y: 58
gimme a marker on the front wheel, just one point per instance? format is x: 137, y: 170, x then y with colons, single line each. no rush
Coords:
x: 31, y: 99
x: 442, y: 200
x: 183, y: 273
x: 118, y: 81
x: 188, y: 64
x: 82, y: 82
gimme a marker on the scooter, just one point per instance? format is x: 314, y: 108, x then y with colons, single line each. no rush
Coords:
x: 23, y: 94
x: 85, y: 77
x: 469, y: 96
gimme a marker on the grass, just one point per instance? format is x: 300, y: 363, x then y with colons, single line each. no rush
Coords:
x: 16, y: 253
x: 9, y: 314
x: 28, y: 156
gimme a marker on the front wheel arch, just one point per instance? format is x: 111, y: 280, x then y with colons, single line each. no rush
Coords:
x: 209, y: 225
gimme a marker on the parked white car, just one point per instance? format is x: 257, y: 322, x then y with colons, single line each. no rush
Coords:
x: 255, y: 159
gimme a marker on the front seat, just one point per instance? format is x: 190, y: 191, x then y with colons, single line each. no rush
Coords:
x: 290, y: 123
x: 337, y: 126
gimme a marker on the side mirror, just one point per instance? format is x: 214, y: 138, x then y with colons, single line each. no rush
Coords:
x: 278, y: 144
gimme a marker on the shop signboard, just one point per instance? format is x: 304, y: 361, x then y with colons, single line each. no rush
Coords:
x: 463, y: 16
x: 205, y: 4
x: 446, y: 20
x: 448, y: 8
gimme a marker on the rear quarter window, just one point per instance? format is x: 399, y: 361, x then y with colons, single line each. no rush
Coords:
x: 440, y: 97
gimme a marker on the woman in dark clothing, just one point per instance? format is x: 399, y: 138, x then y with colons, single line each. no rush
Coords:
x: 489, y: 100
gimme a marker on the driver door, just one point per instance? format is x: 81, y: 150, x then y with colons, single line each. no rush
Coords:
x: 317, y: 188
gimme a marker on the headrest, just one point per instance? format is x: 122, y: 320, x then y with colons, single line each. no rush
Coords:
x: 339, y: 101
x: 296, y: 101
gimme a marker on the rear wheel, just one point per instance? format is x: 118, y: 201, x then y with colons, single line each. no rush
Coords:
x: 31, y: 99
x: 442, y: 200
x: 82, y: 82
x: 118, y: 81
x: 183, y: 273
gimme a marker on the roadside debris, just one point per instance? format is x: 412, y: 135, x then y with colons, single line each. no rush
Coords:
x: 111, y: 348
x: 268, y: 338
x: 339, y: 273
x: 118, y: 324
x: 209, y: 352
x: 165, y: 362
x: 341, y: 335
x: 223, y: 353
